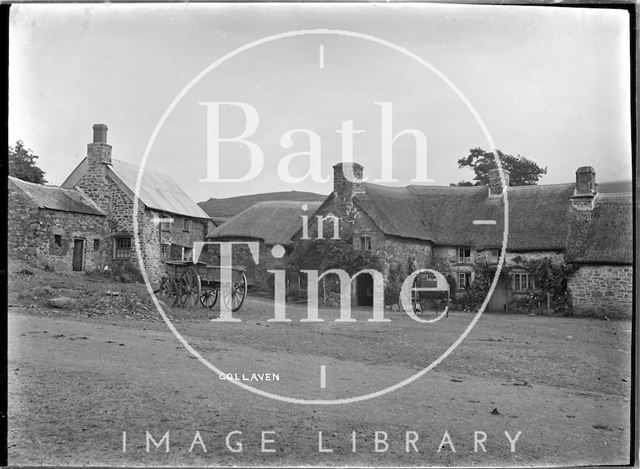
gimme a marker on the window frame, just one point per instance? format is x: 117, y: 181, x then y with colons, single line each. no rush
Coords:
x: 494, y: 258
x: 518, y: 284
x: 463, y: 259
x: 186, y: 225
x: 366, y: 242
x: 461, y: 286
x: 117, y: 248
x: 165, y: 251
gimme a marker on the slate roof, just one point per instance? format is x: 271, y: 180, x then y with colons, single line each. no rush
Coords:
x: 157, y: 191
x: 274, y: 222
x: 604, y: 235
x: 56, y: 198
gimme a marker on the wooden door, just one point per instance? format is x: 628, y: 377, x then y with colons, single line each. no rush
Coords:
x: 500, y: 298
x: 78, y: 255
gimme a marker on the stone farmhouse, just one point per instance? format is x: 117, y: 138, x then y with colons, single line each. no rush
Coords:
x: 442, y: 228
x: 92, y: 212
x: 168, y: 220
x: 55, y: 228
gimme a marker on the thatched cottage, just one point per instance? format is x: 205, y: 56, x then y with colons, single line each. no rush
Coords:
x: 268, y: 223
x: 450, y: 228
x: 55, y: 228
x: 454, y: 229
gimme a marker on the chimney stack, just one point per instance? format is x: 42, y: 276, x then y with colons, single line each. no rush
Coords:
x: 347, y: 182
x: 347, y: 178
x: 99, y: 152
x: 586, y: 189
x: 495, y: 184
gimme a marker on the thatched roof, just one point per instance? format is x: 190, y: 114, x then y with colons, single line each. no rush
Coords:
x: 538, y: 215
x: 604, y: 235
x: 157, y: 191
x: 221, y: 210
x: 274, y: 222
x: 56, y: 198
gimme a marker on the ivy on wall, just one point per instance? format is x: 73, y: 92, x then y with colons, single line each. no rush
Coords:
x: 549, y: 278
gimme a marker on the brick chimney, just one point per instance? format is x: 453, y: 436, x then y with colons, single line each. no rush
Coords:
x: 495, y: 184
x: 99, y: 152
x: 586, y: 189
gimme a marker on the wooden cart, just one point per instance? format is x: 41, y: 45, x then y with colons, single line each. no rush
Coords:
x: 188, y: 283
x: 430, y: 292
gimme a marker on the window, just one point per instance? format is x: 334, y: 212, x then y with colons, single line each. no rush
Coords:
x: 522, y: 281
x: 494, y: 255
x: 164, y: 251
x: 464, y: 255
x: 187, y: 254
x: 186, y: 225
x: 165, y: 224
x: 57, y: 239
x: 365, y: 243
x: 122, y: 248
x: 96, y: 244
x: 464, y: 280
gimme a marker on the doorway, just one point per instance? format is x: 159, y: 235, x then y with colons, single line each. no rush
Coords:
x: 78, y: 255
x: 500, y: 298
x: 364, y: 290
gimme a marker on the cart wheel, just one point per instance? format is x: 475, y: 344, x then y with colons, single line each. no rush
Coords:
x: 234, y: 296
x: 164, y: 290
x: 209, y: 298
x: 173, y: 292
x: 190, y: 289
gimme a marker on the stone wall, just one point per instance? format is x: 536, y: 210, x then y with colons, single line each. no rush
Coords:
x: 118, y: 205
x: 398, y: 251
x: 602, y: 290
x: 45, y: 237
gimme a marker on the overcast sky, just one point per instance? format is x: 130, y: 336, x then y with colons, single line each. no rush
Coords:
x: 550, y: 84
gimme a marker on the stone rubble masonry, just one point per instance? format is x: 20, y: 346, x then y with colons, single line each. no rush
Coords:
x: 32, y: 231
x: 118, y: 205
x: 602, y: 290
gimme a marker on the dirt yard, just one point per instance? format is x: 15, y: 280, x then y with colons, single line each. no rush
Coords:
x: 106, y: 363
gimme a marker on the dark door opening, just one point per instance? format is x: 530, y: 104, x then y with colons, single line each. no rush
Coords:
x: 78, y: 254
x: 500, y: 298
x: 364, y: 290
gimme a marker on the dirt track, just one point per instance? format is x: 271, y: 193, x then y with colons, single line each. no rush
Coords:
x: 564, y: 383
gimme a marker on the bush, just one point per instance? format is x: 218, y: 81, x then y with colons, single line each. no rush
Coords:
x: 125, y: 272
x: 295, y: 292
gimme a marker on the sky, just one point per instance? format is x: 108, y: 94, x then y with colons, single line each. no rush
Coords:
x: 551, y: 84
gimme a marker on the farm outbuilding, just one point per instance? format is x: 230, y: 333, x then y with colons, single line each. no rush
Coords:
x: 55, y: 228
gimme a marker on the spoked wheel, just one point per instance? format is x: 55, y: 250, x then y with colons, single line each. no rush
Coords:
x: 189, y: 289
x: 209, y: 298
x: 164, y: 287
x: 234, y: 297
x: 170, y: 290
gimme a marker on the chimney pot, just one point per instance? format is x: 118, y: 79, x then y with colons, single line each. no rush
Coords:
x: 100, y: 133
x: 586, y: 190
x: 586, y: 181
x: 99, y: 152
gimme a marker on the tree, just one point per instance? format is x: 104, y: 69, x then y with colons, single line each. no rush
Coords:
x: 523, y: 171
x: 22, y: 164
